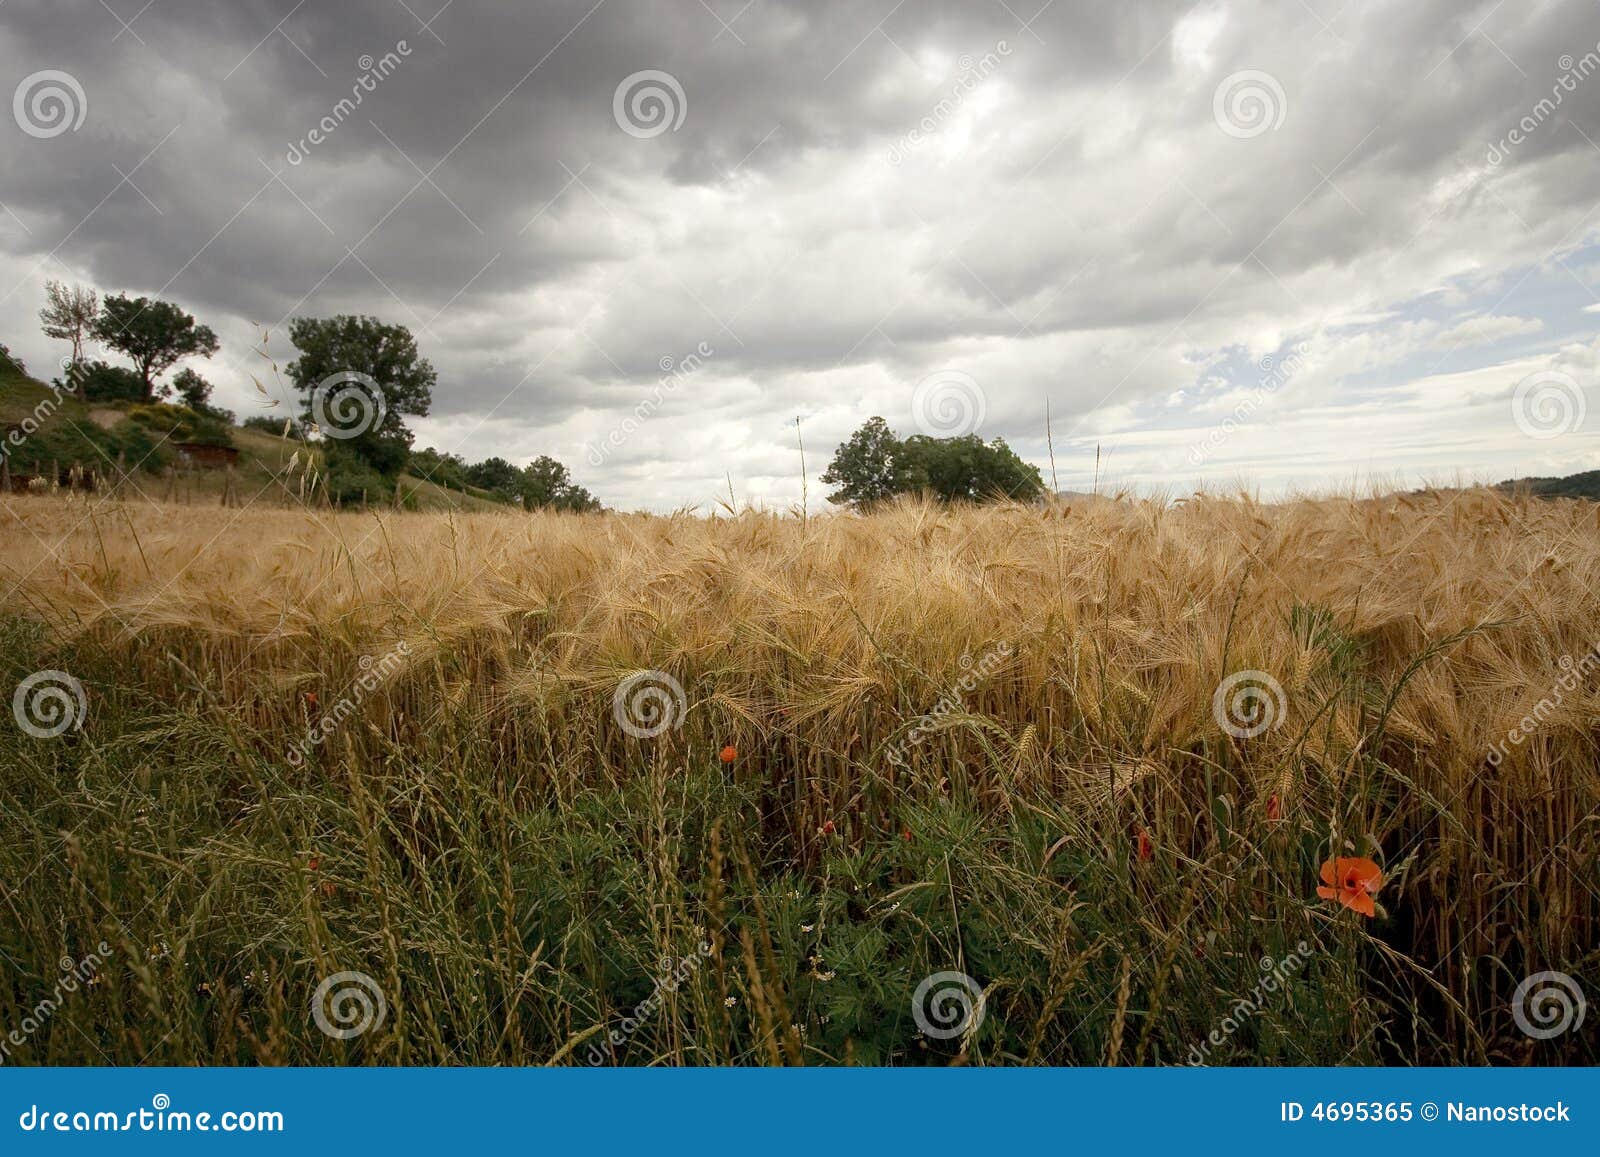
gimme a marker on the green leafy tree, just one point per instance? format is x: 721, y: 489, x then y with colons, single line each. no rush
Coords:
x: 875, y: 465
x: 968, y: 469
x: 496, y: 475
x: 869, y: 468
x: 155, y: 335
x: 195, y: 392
x: 346, y: 358
x: 547, y: 483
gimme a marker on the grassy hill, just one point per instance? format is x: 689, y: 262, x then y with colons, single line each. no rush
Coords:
x: 1584, y: 485
x: 61, y: 430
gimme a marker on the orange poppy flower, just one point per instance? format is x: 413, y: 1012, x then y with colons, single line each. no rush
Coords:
x: 728, y: 754
x: 905, y: 835
x: 1353, y: 881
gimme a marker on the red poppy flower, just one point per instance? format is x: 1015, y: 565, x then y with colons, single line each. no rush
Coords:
x: 1274, y: 809
x: 827, y: 828
x: 1147, y: 849
x: 905, y: 835
x: 313, y: 863
x: 311, y: 700
x: 728, y: 754
x: 1353, y: 881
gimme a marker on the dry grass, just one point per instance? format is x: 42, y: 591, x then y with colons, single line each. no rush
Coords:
x: 1410, y: 634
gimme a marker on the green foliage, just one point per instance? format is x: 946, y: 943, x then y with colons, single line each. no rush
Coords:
x: 351, y: 478
x: 99, y: 381
x: 1584, y: 485
x: 272, y: 425
x: 873, y: 465
x: 181, y: 424
x: 385, y: 354
x: 195, y: 392
x: 546, y: 483
x: 444, y: 469
x: 870, y: 467
x: 154, y: 334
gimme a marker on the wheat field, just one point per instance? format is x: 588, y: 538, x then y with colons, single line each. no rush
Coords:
x: 517, y: 770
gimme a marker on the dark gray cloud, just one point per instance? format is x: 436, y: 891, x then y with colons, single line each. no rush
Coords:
x: 858, y: 194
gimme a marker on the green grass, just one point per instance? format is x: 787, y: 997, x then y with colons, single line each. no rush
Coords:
x: 514, y: 903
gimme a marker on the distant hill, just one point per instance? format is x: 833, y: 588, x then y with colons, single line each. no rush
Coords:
x: 1584, y: 485
x: 64, y: 431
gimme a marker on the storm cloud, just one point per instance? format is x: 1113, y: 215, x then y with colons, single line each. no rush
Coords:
x: 1290, y: 244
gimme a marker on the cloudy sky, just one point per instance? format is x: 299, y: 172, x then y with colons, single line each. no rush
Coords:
x: 1294, y: 244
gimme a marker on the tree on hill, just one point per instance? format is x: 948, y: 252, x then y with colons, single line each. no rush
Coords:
x: 874, y: 465
x: 497, y: 475
x: 155, y: 335
x: 359, y: 376
x: 546, y: 483
x: 69, y: 315
x: 195, y: 392
x: 8, y: 363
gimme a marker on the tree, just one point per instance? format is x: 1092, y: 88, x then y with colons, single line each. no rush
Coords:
x: 868, y: 468
x: 496, y: 475
x: 10, y: 363
x: 874, y: 465
x: 154, y: 334
x: 546, y: 483
x: 99, y: 381
x: 343, y: 361
x: 69, y: 315
x: 968, y: 469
